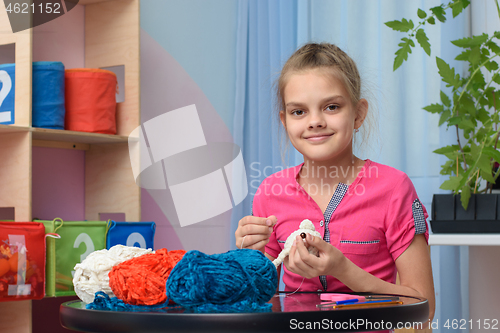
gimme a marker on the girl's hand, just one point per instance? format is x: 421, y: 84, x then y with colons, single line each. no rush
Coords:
x: 307, y: 265
x: 253, y: 232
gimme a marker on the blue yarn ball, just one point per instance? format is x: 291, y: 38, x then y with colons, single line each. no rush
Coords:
x: 235, y: 281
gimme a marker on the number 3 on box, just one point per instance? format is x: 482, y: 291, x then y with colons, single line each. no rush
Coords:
x: 83, y: 238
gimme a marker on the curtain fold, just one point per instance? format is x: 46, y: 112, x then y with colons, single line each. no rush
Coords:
x: 402, y: 135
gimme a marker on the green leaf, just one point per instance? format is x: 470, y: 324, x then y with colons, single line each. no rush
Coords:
x: 470, y: 41
x: 446, y: 150
x: 467, y: 104
x: 487, y: 176
x: 483, y: 115
x: 447, y: 73
x: 496, y: 78
x: 402, y: 53
x: 475, y: 56
x: 454, y: 120
x: 484, y: 163
x: 465, y: 196
x: 493, y: 47
x: 445, y: 99
x: 466, y: 124
x: 474, y: 151
x: 478, y: 79
x: 451, y: 184
x: 457, y: 8
x: 464, y: 56
x: 421, y: 14
x: 404, y: 25
x: 431, y: 20
x: 497, y: 34
x: 434, y: 108
x: 465, y: 3
x: 492, y: 153
x: 444, y: 117
x: 423, y: 41
x: 439, y: 12
x: 491, y: 66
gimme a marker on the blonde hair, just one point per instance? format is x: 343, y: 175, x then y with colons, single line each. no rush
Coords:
x: 321, y: 56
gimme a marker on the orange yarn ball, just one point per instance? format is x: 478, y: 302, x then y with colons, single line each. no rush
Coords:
x: 141, y: 280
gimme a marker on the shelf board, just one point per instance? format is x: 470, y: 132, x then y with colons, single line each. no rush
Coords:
x: 78, y: 137
x: 465, y: 239
x: 13, y: 129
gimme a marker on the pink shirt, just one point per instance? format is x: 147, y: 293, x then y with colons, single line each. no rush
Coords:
x: 373, y: 220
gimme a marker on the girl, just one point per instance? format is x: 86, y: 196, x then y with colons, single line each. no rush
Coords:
x: 370, y: 218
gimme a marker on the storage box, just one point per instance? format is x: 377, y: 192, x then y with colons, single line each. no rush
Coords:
x: 78, y: 240
x: 7, y: 93
x: 91, y: 100
x: 22, y: 261
x: 48, y: 110
x: 138, y: 234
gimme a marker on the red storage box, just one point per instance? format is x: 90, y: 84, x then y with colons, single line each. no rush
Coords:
x: 22, y: 261
x: 90, y: 100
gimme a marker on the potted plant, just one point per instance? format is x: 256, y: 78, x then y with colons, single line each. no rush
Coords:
x: 470, y: 107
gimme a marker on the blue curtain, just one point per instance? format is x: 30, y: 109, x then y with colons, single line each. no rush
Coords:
x: 402, y: 135
x: 266, y: 37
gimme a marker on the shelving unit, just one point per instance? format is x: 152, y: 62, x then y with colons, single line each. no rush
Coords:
x: 110, y: 37
x: 465, y: 239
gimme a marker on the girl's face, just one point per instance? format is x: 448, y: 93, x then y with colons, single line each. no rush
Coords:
x: 319, y: 116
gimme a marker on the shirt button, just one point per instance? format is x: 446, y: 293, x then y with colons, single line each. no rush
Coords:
x: 321, y: 223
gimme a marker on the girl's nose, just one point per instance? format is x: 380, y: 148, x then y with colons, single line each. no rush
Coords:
x: 317, y: 120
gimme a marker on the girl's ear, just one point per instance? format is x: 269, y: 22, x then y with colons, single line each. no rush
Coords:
x: 361, y: 112
x: 282, y: 118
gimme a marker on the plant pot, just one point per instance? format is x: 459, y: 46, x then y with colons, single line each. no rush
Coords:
x: 482, y: 214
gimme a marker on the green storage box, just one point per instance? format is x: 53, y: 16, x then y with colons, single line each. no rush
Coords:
x: 78, y: 240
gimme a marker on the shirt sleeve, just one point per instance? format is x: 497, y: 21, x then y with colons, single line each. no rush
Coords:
x: 406, y: 217
x: 260, y: 207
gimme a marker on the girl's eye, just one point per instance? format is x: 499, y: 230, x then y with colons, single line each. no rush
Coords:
x: 297, y: 112
x: 332, y: 107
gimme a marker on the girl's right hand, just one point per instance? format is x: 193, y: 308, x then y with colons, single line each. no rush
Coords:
x: 253, y: 232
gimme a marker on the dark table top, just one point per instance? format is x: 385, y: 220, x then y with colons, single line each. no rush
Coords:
x: 290, y: 313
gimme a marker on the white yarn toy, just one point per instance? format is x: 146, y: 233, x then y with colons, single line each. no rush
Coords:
x: 91, y: 275
x: 306, y: 227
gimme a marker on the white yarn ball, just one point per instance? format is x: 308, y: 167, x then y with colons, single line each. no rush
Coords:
x: 91, y: 275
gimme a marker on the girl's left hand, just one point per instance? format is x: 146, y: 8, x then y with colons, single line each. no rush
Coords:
x: 307, y: 265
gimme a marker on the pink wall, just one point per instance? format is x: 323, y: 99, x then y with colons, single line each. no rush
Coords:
x: 58, y: 184
x: 62, y: 39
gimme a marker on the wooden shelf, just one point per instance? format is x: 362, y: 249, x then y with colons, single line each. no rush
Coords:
x: 13, y: 129
x: 77, y: 137
x: 465, y: 239
x: 94, y: 34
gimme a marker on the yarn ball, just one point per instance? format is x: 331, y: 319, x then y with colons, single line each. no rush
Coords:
x: 103, y: 302
x: 236, y: 281
x: 91, y: 275
x: 141, y: 280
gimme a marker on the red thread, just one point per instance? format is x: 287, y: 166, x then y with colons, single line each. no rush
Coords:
x: 141, y: 280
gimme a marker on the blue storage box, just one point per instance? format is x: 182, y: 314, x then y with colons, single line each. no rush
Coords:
x: 48, y: 95
x: 138, y: 234
x: 7, y: 93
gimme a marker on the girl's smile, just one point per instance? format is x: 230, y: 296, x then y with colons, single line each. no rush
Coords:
x: 318, y: 138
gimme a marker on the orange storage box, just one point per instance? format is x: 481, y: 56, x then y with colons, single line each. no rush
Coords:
x: 90, y: 100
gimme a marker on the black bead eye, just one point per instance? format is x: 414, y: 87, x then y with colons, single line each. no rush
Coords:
x: 303, y: 235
